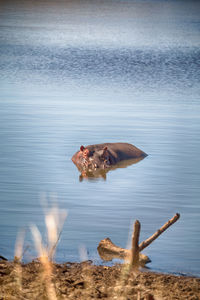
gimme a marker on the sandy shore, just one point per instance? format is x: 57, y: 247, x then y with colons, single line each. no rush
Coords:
x: 87, y: 281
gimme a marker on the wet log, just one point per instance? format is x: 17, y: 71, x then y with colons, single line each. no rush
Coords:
x: 108, y: 250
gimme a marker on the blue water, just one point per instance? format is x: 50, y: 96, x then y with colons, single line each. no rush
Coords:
x: 84, y: 72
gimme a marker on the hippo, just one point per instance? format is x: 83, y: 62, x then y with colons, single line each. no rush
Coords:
x: 95, y: 158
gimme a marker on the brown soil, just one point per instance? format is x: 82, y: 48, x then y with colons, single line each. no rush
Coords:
x: 87, y: 281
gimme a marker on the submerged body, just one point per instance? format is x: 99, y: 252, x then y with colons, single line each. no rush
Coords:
x: 102, y: 156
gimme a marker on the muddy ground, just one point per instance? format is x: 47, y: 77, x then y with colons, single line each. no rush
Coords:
x: 84, y: 280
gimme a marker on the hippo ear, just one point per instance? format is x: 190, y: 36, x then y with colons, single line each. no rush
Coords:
x: 82, y: 148
x: 105, y: 151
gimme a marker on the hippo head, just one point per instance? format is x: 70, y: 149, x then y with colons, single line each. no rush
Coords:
x: 86, y: 159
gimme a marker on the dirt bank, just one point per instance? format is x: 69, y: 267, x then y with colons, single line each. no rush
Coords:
x: 87, y: 281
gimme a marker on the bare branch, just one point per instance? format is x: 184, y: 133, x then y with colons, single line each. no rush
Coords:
x: 148, y: 241
x: 135, y: 245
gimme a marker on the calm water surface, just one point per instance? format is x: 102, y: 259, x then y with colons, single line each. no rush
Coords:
x: 85, y: 72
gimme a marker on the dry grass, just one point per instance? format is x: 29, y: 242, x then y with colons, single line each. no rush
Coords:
x: 54, y: 220
x: 44, y: 279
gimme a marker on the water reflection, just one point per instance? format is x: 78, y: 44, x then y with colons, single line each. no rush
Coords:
x: 99, y: 174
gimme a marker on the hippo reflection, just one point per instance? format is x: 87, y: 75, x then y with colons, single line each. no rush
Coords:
x: 94, y: 161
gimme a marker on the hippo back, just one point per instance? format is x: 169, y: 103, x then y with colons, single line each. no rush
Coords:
x: 119, y: 151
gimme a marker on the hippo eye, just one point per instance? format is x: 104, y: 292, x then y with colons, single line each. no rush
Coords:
x: 107, y: 161
x: 91, y: 153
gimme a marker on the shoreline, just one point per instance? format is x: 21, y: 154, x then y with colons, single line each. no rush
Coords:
x: 84, y: 280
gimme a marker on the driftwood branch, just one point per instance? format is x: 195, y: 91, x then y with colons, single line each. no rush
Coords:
x: 135, y: 245
x: 108, y: 250
x: 148, y: 241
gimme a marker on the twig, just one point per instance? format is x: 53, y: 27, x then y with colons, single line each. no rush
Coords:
x: 52, y: 250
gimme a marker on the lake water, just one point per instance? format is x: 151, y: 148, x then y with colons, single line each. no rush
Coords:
x: 84, y: 72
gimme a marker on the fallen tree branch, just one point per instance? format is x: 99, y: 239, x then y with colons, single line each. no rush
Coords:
x: 108, y: 250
